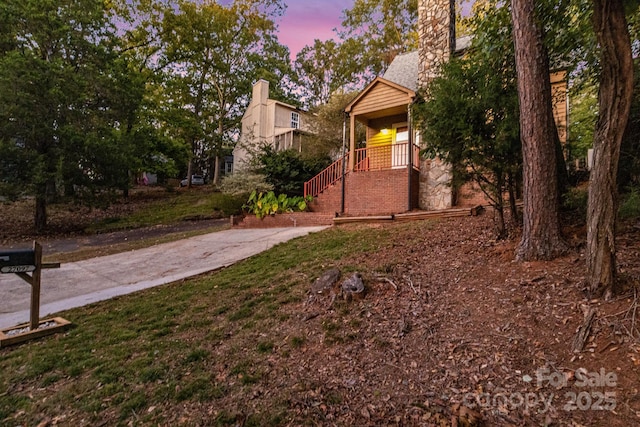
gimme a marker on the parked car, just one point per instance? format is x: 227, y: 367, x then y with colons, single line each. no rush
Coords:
x: 195, y: 180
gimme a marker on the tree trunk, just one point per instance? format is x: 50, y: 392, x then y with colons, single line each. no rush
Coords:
x: 216, y: 174
x: 541, y: 228
x: 500, y: 186
x: 614, y: 103
x: 41, y: 213
x: 190, y: 165
x: 513, y: 207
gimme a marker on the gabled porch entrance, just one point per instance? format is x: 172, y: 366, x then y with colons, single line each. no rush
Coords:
x: 383, y: 176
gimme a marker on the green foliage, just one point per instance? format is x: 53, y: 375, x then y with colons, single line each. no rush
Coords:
x: 263, y: 204
x: 327, y: 126
x: 630, y: 206
x: 243, y: 183
x: 574, y: 204
x: 629, y: 166
x: 379, y: 30
x: 584, y: 113
x: 470, y: 120
x: 208, y: 81
x: 287, y: 170
x: 57, y: 73
x: 323, y: 69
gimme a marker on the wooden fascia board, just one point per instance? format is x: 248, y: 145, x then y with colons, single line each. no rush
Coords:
x: 378, y: 80
x: 386, y: 107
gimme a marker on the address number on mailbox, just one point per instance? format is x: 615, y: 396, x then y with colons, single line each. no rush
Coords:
x: 17, y: 269
x: 18, y: 261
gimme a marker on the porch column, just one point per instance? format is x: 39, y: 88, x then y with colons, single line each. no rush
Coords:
x: 352, y: 142
x: 409, y: 158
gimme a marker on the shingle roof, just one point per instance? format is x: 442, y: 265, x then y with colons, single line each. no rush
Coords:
x: 403, y: 70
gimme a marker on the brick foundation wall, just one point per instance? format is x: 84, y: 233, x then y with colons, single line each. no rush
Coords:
x: 470, y: 195
x: 376, y: 192
x: 329, y: 200
x: 370, y: 193
x: 297, y: 219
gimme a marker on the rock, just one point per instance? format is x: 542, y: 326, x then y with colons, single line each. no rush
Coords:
x: 325, y: 283
x: 353, y: 286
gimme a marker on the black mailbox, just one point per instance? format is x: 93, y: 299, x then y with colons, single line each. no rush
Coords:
x: 18, y: 261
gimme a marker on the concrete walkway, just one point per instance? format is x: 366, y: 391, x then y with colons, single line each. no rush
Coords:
x: 80, y: 283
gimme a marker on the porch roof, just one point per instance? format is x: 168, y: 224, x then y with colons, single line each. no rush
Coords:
x: 381, y: 98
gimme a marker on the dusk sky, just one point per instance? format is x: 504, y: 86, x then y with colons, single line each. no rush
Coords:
x: 305, y: 20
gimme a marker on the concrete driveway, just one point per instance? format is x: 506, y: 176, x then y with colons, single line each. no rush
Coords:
x: 80, y: 283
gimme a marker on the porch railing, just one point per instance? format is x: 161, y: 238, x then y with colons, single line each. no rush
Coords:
x: 385, y: 157
x: 366, y: 159
x: 326, y: 178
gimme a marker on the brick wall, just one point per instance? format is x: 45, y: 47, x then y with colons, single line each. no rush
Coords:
x: 369, y: 193
x: 376, y: 192
x: 297, y: 219
x: 469, y: 195
x: 329, y: 200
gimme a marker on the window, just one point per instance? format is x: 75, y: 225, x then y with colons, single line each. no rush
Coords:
x: 295, y: 120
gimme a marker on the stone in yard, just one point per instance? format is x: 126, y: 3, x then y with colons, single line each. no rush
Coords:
x: 325, y: 283
x: 353, y: 286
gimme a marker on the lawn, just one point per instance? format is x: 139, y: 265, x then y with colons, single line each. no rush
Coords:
x: 447, y: 318
x: 145, y: 207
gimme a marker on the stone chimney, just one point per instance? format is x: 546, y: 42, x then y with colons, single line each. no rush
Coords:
x: 437, y: 35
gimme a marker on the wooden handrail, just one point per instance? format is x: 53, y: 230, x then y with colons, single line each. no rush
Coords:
x: 366, y: 159
x: 329, y: 176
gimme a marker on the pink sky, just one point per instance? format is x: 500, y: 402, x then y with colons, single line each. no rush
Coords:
x: 307, y: 20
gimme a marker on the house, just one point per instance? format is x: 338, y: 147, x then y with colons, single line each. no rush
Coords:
x: 271, y: 122
x: 388, y: 176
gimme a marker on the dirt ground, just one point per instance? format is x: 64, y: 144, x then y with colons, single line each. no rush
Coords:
x: 453, y: 332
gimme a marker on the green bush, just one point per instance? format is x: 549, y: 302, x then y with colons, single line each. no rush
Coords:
x: 243, y: 183
x: 630, y: 206
x: 263, y: 204
x: 574, y: 203
x: 287, y: 170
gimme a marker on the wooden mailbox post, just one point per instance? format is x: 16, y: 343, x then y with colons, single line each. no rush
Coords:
x: 22, y: 262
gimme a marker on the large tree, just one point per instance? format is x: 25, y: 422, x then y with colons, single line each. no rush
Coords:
x: 54, y: 58
x: 614, y: 103
x: 382, y: 29
x: 213, y: 54
x: 541, y: 238
x: 324, y: 68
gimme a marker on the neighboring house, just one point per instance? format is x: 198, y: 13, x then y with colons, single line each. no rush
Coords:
x: 388, y: 176
x: 267, y: 121
x: 228, y: 166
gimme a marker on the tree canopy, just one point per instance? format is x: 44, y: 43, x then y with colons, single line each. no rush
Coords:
x: 94, y: 92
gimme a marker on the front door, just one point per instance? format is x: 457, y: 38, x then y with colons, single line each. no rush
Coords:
x: 399, y: 147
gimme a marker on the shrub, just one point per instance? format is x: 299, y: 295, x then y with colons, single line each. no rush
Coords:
x: 287, y: 170
x: 574, y: 204
x: 263, y: 204
x: 630, y: 206
x: 243, y: 183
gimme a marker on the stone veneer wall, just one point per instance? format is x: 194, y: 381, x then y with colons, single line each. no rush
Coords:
x: 436, y: 29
